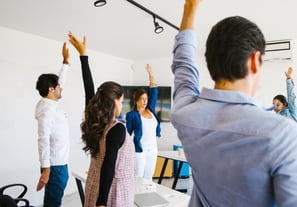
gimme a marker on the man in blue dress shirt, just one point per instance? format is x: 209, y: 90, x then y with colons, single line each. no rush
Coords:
x: 240, y: 154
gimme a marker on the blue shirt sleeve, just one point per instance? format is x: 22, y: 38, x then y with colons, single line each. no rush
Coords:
x: 184, y: 68
x: 129, y: 122
x: 291, y: 98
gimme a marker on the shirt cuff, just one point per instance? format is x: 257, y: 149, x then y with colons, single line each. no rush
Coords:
x: 185, y: 37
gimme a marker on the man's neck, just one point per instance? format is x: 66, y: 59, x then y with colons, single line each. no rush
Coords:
x: 241, y: 85
x: 51, y: 97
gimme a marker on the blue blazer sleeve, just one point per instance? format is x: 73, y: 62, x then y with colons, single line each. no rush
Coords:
x: 153, y: 96
x: 129, y: 122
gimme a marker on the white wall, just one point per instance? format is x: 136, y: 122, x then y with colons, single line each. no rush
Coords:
x: 23, y: 57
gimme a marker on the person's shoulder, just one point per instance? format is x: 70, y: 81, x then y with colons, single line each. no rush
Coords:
x: 116, y: 134
x: 118, y: 129
x: 265, y: 117
x: 46, y: 104
x: 119, y: 126
x: 286, y: 122
x: 44, y: 111
x: 284, y: 134
x: 278, y: 125
x: 262, y: 123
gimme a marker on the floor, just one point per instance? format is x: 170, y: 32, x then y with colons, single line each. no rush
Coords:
x: 73, y: 200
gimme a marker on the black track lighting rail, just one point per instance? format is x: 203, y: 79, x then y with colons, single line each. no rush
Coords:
x: 152, y: 13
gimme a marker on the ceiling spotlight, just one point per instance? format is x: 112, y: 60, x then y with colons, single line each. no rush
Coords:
x: 158, y: 28
x: 99, y: 3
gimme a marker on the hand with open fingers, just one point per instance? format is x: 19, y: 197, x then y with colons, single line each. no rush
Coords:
x: 81, y: 47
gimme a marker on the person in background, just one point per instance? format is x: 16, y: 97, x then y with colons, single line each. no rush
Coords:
x: 240, y: 154
x: 110, y: 180
x: 143, y: 122
x: 281, y: 105
x: 53, y: 135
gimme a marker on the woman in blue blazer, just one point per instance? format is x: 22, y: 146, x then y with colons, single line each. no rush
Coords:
x: 144, y: 124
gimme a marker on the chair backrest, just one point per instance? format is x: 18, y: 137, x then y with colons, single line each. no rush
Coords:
x: 9, y: 201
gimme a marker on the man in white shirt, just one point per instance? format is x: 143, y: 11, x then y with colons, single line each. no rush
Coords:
x: 53, y: 135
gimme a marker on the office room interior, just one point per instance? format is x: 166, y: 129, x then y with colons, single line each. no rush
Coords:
x: 24, y: 55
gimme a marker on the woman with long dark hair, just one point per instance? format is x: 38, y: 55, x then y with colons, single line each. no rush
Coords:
x: 110, y: 180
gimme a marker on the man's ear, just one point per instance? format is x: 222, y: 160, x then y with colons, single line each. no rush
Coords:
x: 50, y: 89
x: 256, y: 62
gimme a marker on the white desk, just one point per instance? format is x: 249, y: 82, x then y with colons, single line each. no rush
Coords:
x: 172, y: 155
x: 175, y: 198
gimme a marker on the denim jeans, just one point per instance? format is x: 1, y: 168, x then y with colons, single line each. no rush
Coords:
x: 54, y: 189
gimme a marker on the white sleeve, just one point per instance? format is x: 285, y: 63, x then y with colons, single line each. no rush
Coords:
x: 63, y: 75
x: 45, y: 119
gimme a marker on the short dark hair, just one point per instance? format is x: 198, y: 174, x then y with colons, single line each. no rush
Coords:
x: 229, y: 45
x: 282, y: 99
x: 45, y: 81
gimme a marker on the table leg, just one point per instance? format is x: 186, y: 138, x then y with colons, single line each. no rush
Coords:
x: 163, y: 170
x: 177, y: 174
x: 80, y: 191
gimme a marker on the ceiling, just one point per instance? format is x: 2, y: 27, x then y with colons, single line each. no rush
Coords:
x: 121, y: 29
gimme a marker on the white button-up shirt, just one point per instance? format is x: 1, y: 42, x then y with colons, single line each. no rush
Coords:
x: 53, y: 129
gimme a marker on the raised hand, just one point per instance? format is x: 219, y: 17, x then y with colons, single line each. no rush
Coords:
x: 189, y: 13
x: 65, y: 53
x: 149, y: 69
x: 289, y: 73
x: 151, y: 75
x: 81, y: 47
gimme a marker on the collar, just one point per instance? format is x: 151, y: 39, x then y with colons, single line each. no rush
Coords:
x: 228, y: 96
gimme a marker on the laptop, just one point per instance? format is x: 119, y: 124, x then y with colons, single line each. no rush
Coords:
x: 151, y: 199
